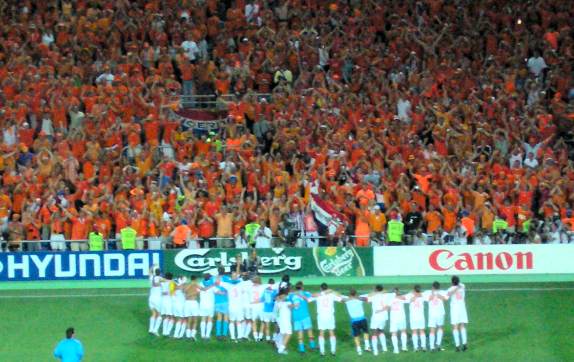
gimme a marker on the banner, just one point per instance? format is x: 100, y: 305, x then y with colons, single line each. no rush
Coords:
x: 326, y: 213
x: 199, y: 120
x: 298, y: 262
x: 474, y: 259
x: 77, y: 266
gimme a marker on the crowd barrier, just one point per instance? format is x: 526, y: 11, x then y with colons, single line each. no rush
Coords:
x: 383, y: 261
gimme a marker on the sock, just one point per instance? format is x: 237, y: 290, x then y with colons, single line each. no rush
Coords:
x: 456, y: 338
x: 193, y: 333
x: 208, y: 329
x: 333, y: 341
x: 423, y: 338
x: 301, y: 347
x: 312, y: 343
x: 383, y: 340
x: 404, y: 340
x: 375, y: 344
x: 431, y: 338
x: 246, y: 329
x: 232, y: 330
x: 202, y: 329
x: 151, y: 324
x: 157, y: 324
x: 225, y: 328
x: 240, y: 329
x: 367, y: 343
x: 169, y: 327
x: 218, y: 328
x: 164, y: 329
x: 182, y: 330
x: 268, y: 338
x: 321, y: 345
x: 415, y: 339
x: 359, y: 351
x: 439, y: 337
x: 395, y: 341
x: 178, y: 326
x: 187, y: 333
x: 463, y: 334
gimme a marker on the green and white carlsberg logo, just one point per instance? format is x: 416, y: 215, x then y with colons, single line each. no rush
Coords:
x: 338, y: 262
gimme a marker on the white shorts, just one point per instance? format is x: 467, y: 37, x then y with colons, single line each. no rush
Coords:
x: 236, y: 314
x: 179, y: 308
x: 285, y: 326
x: 191, y: 308
x: 207, y: 311
x: 155, y: 302
x: 458, y: 315
x: 436, y: 321
x: 398, y: 325
x: 166, y: 305
x: 325, y: 322
x: 268, y: 317
x: 254, y: 312
x: 417, y: 323
x: 378, y: 321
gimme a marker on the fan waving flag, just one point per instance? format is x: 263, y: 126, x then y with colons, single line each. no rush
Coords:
x: 326, y: 213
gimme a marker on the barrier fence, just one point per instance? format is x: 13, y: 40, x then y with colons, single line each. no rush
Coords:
x: 345, y: 261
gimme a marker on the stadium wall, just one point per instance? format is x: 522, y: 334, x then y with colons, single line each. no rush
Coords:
x: 514, y: 262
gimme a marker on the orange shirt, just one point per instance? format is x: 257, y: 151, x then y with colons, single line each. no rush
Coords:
x: 433, y: 221
x: 180, y: 234
x: 79, y: 228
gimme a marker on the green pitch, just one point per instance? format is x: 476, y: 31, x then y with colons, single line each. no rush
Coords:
x: 508, y: 322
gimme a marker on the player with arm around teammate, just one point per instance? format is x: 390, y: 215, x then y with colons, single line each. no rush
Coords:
x: 417, y: 318
x: 179, y: 308
x: 167, y: 296
x: 325, y: 301
x: 154, y: 302
x: 268, y: 314
x: 206, y: 305
x: 234, y: 290
x: 301, y: 317
x: 283, y: 307
x: 435, y: 299
x: 191, y: 307
x: 398, y: 319
x: 255, y: 311
x: 359, y: 325
x: 458, y: 314
x: 379, y: 318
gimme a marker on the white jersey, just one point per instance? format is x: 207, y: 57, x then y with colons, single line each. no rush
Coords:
x: 246, y: 287
x: 416, y: 310
x: 283, y: 310
x: 155, y: 293
x: 206, y: 297
x: 255, y: 293
x: 235, y: 294
x: 326, y: 310
x: 396, y: 307
x: 378, y: 303
x: 155, y: 286
x: 326, y: 303
x: 435, y: 302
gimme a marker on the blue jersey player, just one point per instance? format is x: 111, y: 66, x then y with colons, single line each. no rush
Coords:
x: 301, y: 316
x: 268, y: 300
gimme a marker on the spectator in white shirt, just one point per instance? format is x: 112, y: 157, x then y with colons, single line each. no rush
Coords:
x: 263, y: 237
x: 191, y: 49
x: 536, y: 64
x: 531, y: 161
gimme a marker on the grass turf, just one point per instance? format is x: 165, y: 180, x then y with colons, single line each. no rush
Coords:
x: 525, y: 322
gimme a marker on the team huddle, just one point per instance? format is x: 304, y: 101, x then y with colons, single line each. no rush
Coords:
x: 242, y: 307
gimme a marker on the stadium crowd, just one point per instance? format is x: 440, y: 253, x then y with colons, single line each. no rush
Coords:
x: 449, y: 119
